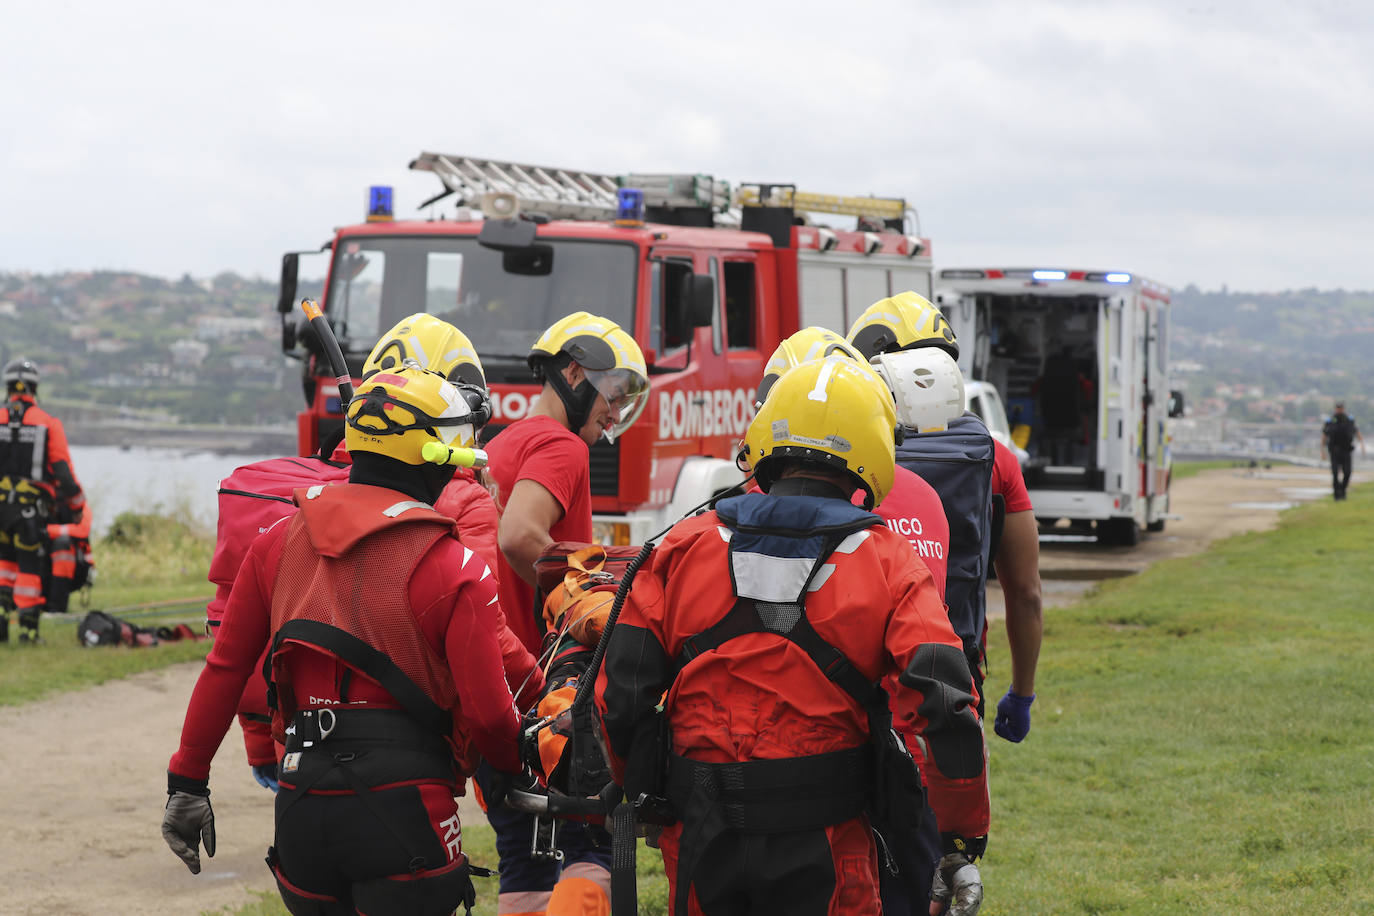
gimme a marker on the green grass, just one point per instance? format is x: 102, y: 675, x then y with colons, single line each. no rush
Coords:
x: 143, y: 559
x: 1203, y: 739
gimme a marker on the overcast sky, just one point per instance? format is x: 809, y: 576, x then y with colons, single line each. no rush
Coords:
x: 1190, y: 141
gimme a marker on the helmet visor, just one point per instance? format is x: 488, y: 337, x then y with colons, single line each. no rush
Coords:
x: 625, y: 391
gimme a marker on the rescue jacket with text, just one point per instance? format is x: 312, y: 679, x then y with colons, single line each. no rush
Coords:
x: 759, y: 696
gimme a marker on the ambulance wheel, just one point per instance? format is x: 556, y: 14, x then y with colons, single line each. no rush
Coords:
x: 1118, y: 532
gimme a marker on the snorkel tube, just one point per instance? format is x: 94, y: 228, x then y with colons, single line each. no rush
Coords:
x: 315, y: 315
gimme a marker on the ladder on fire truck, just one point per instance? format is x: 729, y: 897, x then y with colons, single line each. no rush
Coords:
x: 506, y: 188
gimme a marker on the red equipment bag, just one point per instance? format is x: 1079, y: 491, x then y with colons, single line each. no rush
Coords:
x: 252, y: 499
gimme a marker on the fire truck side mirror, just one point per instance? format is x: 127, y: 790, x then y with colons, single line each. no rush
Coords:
x: 699, y: 295
x: 290, y: 266
x: 288, y: 333
x: 1175, y: 403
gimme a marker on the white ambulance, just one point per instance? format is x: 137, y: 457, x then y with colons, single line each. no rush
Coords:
x: 1081, y: 357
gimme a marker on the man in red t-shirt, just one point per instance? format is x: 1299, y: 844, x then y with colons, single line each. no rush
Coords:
x: 1018, y: 573
x: 595, y: 384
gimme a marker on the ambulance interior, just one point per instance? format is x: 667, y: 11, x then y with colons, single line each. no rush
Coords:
x: 1041, y: 353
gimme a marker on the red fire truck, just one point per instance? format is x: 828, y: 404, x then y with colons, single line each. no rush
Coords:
x: 707, y: 280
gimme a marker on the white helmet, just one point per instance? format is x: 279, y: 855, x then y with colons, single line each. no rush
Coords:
x: 926, y: 384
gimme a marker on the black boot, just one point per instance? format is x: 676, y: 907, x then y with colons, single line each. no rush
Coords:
x: 28, y: 626
x: 4, y: 626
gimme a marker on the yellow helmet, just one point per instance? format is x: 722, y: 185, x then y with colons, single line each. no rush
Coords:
x: 609, y: 356
x: 833, y: 411
x: 806, y: 345
x: 902, y: 322
x: 396, y: 413
x: 433, y: 343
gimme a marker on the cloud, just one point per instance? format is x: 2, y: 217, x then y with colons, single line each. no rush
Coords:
x: 1185, y: 140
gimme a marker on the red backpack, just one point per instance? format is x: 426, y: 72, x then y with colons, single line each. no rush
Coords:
x: 252, y: 499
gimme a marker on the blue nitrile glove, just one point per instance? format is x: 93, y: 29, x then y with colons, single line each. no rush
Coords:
x: 266, y: 775
x: 1013, y: 716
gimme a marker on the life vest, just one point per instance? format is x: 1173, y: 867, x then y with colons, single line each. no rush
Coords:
x: 958, y: 463
x: 349, y: 600
x: 779, y: 551
x: 24, y: 446
x: 252, y: 499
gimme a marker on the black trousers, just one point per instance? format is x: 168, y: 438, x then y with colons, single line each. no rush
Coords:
x: 1340, y: 470
x: 335, y: 857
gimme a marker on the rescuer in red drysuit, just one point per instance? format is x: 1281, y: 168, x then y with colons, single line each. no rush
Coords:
x: 769, y: 769
x: 251, y: 499
x: 36, y: 479
x: 385, y: 684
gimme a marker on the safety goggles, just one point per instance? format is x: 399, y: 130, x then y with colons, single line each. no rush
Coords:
x: 625, y: 391
x: 467, y: 411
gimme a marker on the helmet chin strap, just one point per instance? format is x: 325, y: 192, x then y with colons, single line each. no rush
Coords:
x: 577, y: 402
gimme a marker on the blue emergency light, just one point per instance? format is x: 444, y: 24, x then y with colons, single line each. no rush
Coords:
x: 379, y: 207
x: 1118, y: 278
x: 1048, y: 275
x: 629, y: 207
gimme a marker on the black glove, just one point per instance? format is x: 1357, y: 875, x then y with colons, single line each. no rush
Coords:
x: 502, y: 783
x: 188, y: 819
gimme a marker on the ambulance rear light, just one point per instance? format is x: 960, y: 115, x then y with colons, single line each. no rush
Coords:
x: 1047, y: 275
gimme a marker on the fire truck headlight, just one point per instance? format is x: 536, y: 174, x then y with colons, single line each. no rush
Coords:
x: 611, y: 534
x: 914, y: 245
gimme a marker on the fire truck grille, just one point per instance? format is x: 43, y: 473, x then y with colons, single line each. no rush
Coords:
x: 605, y: 468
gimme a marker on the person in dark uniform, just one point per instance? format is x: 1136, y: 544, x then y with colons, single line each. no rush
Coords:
x: 36, y: 482
x: 1339, y: 433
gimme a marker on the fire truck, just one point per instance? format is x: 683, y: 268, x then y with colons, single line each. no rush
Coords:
x: 708, y: 279
x: 1081, y: 357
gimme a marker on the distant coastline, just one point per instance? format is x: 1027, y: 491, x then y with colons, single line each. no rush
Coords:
x: 227, y: 440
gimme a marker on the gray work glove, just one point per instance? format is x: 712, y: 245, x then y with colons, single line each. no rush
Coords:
x: 959, y: 884
x: 188, y: 820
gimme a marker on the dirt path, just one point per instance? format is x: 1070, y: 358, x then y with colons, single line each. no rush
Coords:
x: 1212, y: 505
x: 82, y: 780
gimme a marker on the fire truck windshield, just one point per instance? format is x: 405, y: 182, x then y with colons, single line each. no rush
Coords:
x: 376, y: 281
